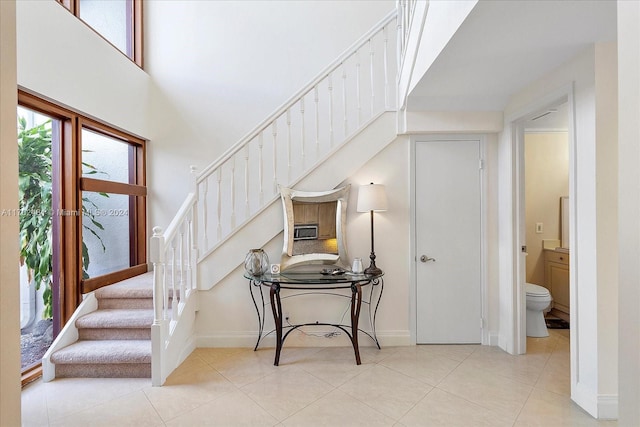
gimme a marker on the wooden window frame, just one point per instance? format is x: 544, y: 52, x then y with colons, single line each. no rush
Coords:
x: 135, y: 39
x: 70, y: 198
x: 137, y: 205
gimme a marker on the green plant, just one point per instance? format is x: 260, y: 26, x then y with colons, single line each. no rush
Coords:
x: 35, y: 196
x: 34, y: 186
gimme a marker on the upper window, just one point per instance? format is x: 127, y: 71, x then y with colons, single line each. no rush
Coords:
x: 118, y: 21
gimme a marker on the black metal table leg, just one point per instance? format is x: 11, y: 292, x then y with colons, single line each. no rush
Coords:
x: 276, y: 307
x: 372, y: 319
x: 356, y: 303
x: 252, y: 284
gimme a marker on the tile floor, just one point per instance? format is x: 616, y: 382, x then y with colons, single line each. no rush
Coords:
x: 399, y: 386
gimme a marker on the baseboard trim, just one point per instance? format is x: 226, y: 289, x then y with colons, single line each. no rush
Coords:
x: 608, y: 407
x: 602, y: 406
x: 494, y: 339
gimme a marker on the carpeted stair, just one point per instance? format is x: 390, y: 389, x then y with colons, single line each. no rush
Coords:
x: 115, y: 340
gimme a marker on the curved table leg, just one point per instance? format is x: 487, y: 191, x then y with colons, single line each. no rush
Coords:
x: 356, y: 303
x: 372, y: 319
x: 276, y: 307
x: 253, y: 284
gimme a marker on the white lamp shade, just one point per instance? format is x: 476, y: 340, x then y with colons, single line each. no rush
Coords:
x: 372, y: 197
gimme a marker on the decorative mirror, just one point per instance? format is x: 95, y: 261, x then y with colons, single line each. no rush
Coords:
x: 314, y: 227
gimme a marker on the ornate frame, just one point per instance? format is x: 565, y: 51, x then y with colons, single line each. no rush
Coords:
x: 339, y: 195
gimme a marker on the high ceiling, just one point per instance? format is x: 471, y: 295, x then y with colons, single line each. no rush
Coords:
x: 504, y: 45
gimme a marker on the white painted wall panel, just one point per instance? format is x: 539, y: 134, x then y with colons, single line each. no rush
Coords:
x: 61, y: 58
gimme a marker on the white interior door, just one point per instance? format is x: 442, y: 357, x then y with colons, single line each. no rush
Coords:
x: 448, y: 242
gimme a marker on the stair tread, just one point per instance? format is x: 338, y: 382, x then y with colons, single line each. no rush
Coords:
x: 135, y: 287
x: 104, y: 352
x: 117, y: 318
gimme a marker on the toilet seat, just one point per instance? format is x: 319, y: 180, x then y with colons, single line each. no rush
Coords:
x: 536, y: 290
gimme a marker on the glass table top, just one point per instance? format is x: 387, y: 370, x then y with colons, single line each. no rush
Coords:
x: 313, y: 277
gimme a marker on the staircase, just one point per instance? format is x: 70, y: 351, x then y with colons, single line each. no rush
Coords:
x: 315, y: 140
x: 114, y: 340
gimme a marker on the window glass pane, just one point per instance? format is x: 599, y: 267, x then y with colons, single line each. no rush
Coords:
x: 111, y: 19
x: 105, y: 233
x: 36, y: 135
x: 104, y: 158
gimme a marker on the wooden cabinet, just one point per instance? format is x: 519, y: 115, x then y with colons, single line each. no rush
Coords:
x: 327, y: 220
x: 305, y: 213
x: 321, y: 214
x: 556, y: 277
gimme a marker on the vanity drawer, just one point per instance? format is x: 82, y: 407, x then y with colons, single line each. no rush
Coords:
x: 559, y: 257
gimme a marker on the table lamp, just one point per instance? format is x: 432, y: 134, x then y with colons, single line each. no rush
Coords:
x: 372, y: 197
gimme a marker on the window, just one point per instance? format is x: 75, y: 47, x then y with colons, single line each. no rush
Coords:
x: 39, y: 136
x: 113, y: 205
x: 117, y: 21
x: 98, y: 203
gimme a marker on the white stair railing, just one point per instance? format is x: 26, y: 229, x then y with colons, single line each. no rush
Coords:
x: 353, y: 91
x: 300, y: 134
x: 173, y: 253
x: 406, y: 12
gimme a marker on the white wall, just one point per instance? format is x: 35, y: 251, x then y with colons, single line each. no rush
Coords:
x: 80, y: 70
x: 629, y: 211
x: 606, y: 73
x: 9, y: 250
x: 233, y: 322
x: 546, y: 180
x: 596, y: 359
x: 454, y: 121
x: 224, y: 67
x: 442, y: 21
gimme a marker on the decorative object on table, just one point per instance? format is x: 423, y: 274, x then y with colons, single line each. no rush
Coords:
x: 372, y: 197
x: 275, y: 268
x: 357, y: 266
x: 332, y: 271
x: 256, y: 262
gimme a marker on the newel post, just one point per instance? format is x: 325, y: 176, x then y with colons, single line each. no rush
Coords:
x: 156, y: 256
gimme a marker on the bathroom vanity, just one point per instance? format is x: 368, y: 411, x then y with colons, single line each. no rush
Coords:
x: 556, y: 278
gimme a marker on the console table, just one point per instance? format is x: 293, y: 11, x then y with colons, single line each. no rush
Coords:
x: 316, y: 282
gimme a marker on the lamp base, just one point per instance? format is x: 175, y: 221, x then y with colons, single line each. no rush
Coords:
x: 372, y: 270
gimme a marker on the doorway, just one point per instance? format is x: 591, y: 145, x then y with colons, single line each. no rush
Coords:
x: 448, y: 241
x: 544, y: 155
x: 546, y: 182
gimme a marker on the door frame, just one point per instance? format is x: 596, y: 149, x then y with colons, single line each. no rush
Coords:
x: 518, y: 128
x: 516, y: 125
x: 486, y: 339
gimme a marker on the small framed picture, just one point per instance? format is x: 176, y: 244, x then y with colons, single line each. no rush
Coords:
x: 275, y: 268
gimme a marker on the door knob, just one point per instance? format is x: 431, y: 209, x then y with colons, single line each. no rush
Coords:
x: 425, y: 258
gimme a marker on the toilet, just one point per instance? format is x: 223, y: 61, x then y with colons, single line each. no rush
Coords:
x: 538, y: 300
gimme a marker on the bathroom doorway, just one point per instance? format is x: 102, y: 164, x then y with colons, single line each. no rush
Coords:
x: 544, y: 152
x: 546, y: 182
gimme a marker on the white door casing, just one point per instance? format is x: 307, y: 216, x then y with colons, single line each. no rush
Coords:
x: 448, y: 238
